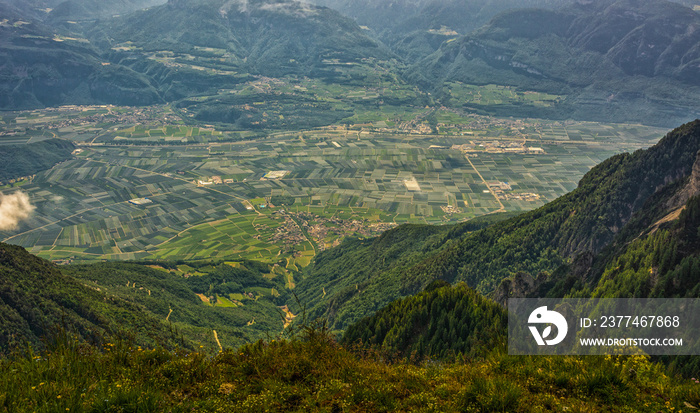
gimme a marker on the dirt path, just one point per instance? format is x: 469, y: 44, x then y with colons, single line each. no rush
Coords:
x: 668, y: 218
x: 288, y: 316
x: 502, y: 207
x: 216, y: 337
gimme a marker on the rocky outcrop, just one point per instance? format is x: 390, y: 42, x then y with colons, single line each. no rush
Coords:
x: 520, y: 285
x: 691, y: 189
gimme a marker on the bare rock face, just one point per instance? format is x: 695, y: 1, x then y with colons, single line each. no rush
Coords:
x: 691, y: 189
x: 518, y: 286
x: 693, y: 186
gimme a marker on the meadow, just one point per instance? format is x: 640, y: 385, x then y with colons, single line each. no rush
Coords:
x: 310, y: 371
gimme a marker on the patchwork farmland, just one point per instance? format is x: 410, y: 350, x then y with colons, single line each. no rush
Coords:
x: 205, y: 193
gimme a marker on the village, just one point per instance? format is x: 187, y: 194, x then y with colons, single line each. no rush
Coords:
x: 324, y: 232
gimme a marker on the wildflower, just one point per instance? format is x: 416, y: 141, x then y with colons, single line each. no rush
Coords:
x: 226, y: 388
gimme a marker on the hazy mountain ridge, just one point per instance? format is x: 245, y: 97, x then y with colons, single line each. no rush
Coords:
x: 81, y: 10
x: 260, y: 37
x: 396, y: 18
x: 657, y: 39
x: 416, y: 28
x: 615, y: 60
x: 65, y: 11
x: 43, y: 66
x: 33, y: 157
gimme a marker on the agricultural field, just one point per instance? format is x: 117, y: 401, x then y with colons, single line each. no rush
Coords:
x: 151, y: 183
x: 497, y: 95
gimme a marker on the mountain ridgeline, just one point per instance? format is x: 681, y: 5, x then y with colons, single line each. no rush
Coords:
x: 34, y: 157
x: 637, y: 60
x: 42, y: 67
x: 416, y: 28
x: 566, y: 247
x: 620, y: 61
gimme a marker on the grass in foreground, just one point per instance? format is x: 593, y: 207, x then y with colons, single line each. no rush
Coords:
x: 315, y: 373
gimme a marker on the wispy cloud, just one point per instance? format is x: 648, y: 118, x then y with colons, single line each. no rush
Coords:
x: 14, y: 209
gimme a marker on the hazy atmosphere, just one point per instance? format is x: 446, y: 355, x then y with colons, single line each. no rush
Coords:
x: 349, y: 206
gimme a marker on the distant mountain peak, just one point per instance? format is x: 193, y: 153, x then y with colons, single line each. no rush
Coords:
x: 240, y: 5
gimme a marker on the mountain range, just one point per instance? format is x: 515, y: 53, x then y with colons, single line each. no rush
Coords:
x: 202, y: 46
x: 416, y: 28
x: 613, y: 61
x: 176, y: 50
x: 45, y: 67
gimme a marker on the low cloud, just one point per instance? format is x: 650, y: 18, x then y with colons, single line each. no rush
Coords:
x: 14, y: 209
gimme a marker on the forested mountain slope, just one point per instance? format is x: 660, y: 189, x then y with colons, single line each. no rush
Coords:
x: 232, y: 39
x: 186, y: 300
x: 43, y: 66
x: 444, y: 321
x: 146, y: 304
x: 439, y: 322
x: 38, y: 302
x: 33, y: 157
